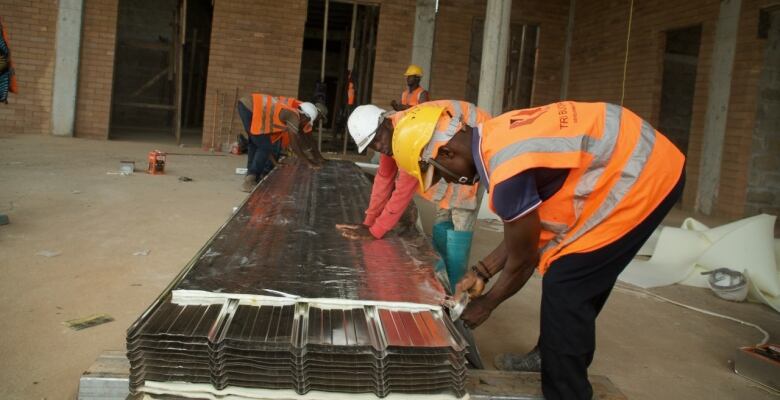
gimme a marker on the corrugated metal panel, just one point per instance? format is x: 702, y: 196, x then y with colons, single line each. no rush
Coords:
x: 284, y: 239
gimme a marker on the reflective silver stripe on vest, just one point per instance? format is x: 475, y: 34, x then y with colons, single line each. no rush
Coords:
x: 472, y: 122
x: 597, y: 147
x: 628, y: 177
x: 446, y: 134
x: 454, y: 195
x: 458, y: 110
x: 441, y: 190
x: 558, y: 228
x: 419, y: 94
x: 438, y: 136
x: 602, y: 150
x: 263, y: 113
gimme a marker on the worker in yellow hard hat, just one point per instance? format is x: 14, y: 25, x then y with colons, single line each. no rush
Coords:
x: 579, y: 187
x: 415, y: 94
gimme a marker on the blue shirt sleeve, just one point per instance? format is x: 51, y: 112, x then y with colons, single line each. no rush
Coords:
x: 516, y: 196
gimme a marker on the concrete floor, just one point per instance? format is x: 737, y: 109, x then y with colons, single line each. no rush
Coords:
x: 60, y: 197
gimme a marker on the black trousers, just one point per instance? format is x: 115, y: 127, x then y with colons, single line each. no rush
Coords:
x: 574, y: 290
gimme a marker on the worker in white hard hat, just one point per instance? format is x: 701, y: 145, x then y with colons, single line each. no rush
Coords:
x: 456, y: 205
x: 281, y: 121
x: 414, y: 94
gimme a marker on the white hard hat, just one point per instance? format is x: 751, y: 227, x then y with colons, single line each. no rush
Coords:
x: 310, y: 110
x: 363, y: 124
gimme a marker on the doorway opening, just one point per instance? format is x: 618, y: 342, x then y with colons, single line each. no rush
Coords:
x: 520, y: 64
x: 681, y: 57
x: 160, y: 69
x: 339, y: 45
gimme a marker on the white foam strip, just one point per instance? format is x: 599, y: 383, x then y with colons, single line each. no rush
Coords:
x: 200, y: 297
x: 204, y: 391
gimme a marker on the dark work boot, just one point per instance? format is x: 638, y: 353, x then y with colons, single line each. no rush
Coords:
x: 531, y: 362
x: 249, y: 183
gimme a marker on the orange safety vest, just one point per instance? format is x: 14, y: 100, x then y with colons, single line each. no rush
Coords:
x: 350, y: 93
x: 620, y: 169
x: 266, y: 110
x: 412, y: 98
x: 294, y: 103
x: 456, y: 114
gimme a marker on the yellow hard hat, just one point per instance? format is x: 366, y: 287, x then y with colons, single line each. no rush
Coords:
x: 410, y: 137
x: 413, y: 70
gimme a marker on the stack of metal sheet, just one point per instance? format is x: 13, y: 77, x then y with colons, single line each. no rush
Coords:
x: 279, y: 300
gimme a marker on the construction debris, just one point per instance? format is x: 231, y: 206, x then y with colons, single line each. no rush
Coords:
x: 48, y: 253
x: 88, y: 322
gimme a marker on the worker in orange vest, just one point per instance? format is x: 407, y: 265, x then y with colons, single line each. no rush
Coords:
x: 580, y: 187
x: 414, y: 94
x: 350, y: 92
x: 7, y: 73
x: 269, y: 120
x: 392, y: 192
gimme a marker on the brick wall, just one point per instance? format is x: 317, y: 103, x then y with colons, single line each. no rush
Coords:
x: 598, y: 55
x: 96, y: 68
x: 393, y: 50
x: 254, y: 47
x: 453, y: 40
x: 597, y: 71
x: 31, y: 27
x: 743, y: 105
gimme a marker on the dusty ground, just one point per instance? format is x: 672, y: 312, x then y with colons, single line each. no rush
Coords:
x: 60, y: 198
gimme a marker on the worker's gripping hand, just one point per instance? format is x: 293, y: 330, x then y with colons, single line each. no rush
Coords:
x: 471, y: 283
x: 477, y: 311
x: 315, y: 166
x: 354, y: 232
x: 396, y: 106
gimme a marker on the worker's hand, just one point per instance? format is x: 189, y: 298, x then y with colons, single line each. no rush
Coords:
x: 354, y: 232
x: 476, y: 312
x: 471, y: 283
x: 395, y: 105
x: 315, y: 166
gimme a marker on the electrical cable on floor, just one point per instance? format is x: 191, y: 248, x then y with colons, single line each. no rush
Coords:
x: 625, y: 62
x: 706, y: 312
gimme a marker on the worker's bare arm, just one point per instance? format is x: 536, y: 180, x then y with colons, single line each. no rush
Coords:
x: 292, y: 121
x: 521, y: 238
x: 315, y: 149
x: 472, y: 282
x: 398, y: 106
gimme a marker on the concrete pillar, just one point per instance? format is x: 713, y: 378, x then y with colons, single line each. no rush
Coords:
x: 422, y: 45
x: 492, y: 73
x: 717, y: 110
x: 567, y: 52
x: 495, y: 45
x: 66, y: 67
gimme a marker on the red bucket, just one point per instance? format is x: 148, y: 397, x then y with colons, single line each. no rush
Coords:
x: 156, y: 162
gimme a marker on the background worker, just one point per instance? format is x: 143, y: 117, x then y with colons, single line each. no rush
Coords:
x: 391, y: 193
x: 580, y: 187
x: 7, y: 74
x: 414, y: 94
x: 267, y: 120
